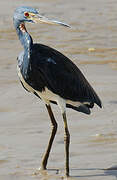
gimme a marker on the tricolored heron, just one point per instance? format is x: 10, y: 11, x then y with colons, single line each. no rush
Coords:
x: 52, y: 77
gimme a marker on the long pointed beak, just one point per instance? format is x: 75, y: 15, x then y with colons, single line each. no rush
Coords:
x: 42, y: 19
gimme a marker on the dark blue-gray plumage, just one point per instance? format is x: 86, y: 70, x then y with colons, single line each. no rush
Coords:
x: 51, y: 76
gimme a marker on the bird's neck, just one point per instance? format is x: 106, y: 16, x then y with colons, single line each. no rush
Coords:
x: 24, y: 36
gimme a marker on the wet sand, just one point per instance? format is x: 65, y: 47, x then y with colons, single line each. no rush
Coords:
x: 24, y: 123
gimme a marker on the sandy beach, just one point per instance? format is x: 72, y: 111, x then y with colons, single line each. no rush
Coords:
x: 24, y: 123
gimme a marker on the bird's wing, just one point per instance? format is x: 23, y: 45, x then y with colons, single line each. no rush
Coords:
x: 59, y: 74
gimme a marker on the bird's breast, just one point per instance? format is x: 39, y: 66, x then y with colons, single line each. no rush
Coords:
x: 24, y: 83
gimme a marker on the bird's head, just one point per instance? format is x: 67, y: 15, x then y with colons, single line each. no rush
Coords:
x: 29, y: 14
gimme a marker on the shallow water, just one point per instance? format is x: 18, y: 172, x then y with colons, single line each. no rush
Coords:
x: 24, y: 123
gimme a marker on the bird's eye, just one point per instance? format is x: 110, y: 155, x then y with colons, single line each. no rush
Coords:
x: 26, y: 14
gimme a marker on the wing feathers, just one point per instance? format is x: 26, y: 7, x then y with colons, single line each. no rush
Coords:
x: 60, y: 75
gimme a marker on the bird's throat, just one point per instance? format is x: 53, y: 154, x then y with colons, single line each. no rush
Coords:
x: 24, y: 36
x: 22, y: 27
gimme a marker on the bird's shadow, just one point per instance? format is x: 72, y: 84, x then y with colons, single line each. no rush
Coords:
x: 112, y: 171
x: 85, y: 172
x: 97, y: 172
x: 113, y: 102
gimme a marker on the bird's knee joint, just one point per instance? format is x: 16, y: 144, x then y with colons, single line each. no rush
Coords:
x: 54, y: 126
x: 67, y: 136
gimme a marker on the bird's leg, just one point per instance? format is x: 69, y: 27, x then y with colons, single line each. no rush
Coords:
x: 67, y: 142
x: 53, y: 133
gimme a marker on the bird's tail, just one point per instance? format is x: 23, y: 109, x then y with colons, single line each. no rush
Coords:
x: 82, y: 108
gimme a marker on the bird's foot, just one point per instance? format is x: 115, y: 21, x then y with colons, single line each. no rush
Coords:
x: 40, y: 170
x: 66, y: 177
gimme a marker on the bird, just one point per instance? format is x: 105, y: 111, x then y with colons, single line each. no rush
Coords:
x: 52, y: 77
